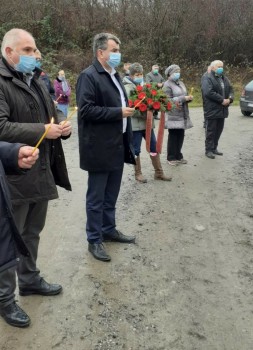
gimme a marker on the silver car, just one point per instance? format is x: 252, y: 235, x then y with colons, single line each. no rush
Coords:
x: 246, y: 99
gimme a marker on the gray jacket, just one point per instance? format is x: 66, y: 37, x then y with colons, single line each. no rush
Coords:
x: 178, y: 117
x: 154, y: 78
x: 138, y: 119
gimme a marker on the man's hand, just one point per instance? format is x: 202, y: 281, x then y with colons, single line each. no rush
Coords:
x: 54, y: 131
x: 25, y: 157
x: 67, y: 128
x: 127, y: 112
x: 226, y: 102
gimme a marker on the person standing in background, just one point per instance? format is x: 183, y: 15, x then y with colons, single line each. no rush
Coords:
x: 218, y: 94
x: 43, y: 76
x: 126, y: 69
x: 62, y: 92
x: 154, y: 77
x: 178, y: 119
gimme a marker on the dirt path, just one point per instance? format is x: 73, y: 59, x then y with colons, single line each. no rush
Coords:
x: 185, y: 285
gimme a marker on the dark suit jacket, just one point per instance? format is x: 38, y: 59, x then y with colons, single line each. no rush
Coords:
x: 102, y: 145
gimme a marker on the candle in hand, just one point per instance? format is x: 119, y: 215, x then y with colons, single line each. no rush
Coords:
x: 43, y: 136
x: 139, y: 102
x: 70, y: 115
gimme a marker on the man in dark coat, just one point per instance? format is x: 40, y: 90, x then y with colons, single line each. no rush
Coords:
x: 14, y: 159
x: 26, y: 109
x: 218, y: 95
x: 43, y: 76
x: 105, y: 141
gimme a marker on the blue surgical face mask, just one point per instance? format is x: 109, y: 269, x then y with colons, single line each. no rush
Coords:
x: 38, y: 64
x: 114, y: 59
x: 219, y: 71
x: 175, y: 76
x: 26, y: 64
x: 138, y: 80
x: 155, y: 71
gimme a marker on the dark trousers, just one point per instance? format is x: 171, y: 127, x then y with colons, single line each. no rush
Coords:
x: 101, y: 197
x: 175, y: 144
x: 214, y: 128
x: 30, y: 220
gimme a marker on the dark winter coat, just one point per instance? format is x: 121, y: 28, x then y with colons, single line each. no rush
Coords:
x: 10, y: 240
x: 22, y: 119
x: 46, y: 80
x: 102, y: 145
x: 213, y: 95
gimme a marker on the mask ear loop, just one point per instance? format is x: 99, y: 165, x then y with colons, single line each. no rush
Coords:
x: 14, y: 64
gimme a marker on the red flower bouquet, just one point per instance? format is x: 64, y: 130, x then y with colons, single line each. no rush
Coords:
x: 149, y: 98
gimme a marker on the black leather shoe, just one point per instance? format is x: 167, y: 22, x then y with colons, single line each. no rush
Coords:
x: 210, y: 155
x: 42, y: 288
x: 118, y: 236
x: 217, y: 152
x: 15, y: 316
x: 98, y: 251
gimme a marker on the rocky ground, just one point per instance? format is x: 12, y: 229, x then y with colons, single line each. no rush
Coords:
x: 187, y: 282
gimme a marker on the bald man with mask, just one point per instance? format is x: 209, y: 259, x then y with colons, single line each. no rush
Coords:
x: 26, y: 110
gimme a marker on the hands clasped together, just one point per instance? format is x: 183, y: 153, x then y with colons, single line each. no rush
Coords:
x: 58, y: 130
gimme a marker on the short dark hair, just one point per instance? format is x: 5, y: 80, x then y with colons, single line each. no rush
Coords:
x: 100, y: 41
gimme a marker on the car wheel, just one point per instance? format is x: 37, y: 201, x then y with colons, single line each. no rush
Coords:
x: 246, y: 113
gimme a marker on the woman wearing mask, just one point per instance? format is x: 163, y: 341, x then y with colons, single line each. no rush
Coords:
x: 177, y: 120
x: 62, y: 92
x: 138, y: 120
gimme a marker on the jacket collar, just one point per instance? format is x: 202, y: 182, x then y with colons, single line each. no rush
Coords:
x: 8, y: 71
x: 100, y: 68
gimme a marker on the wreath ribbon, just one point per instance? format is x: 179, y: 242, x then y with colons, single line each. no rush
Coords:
x: 160, y: 134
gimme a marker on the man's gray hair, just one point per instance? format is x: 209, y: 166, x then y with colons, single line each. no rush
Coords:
x: 11, y: 38
x: 214, y: 63
x: 100, y: 41
x: 135, y: 68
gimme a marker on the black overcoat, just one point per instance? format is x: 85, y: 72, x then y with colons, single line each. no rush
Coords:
x: 10, y: 239
x: 102, y: 145
x: 21, y: 121
x: 213, y: 96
